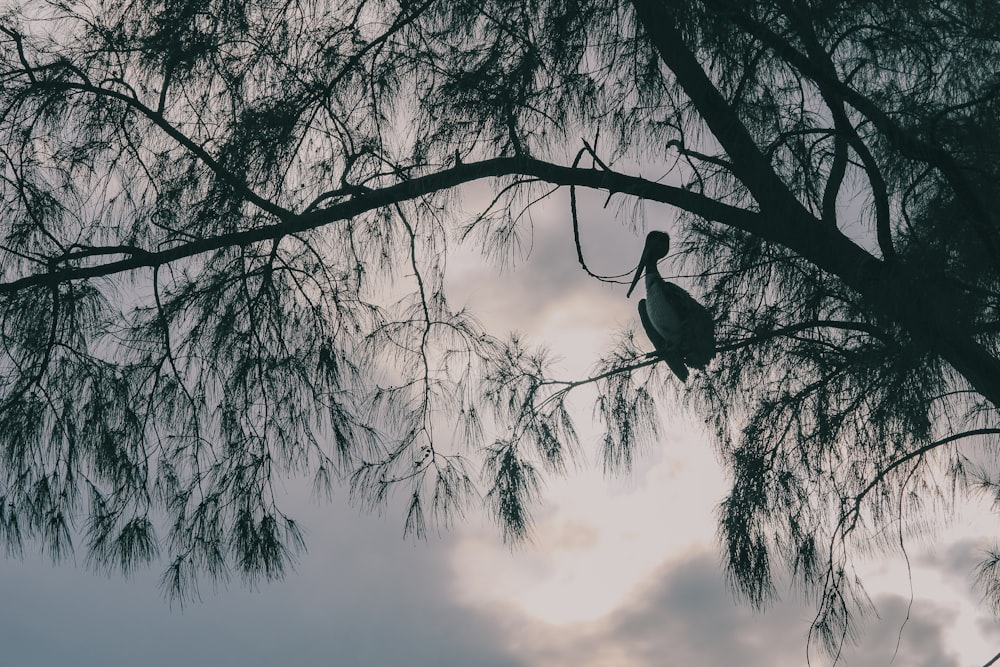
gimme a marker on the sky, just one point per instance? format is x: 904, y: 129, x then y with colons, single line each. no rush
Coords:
x: 621, y: 571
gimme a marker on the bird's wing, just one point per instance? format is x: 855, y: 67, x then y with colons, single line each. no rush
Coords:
x: 698, y: 344
x: 673, y: 358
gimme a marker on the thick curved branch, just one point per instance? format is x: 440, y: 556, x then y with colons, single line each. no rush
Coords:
x: 905, y: 141
x: 929, y: 317
x: 748, y: 163
x: 835, y: 102
x: 406, y: 190
x: 834, y: 181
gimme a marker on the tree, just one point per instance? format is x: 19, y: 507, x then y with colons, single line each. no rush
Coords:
x: 224, y: 240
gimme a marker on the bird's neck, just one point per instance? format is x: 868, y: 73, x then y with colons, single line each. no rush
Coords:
x: 652, y: 274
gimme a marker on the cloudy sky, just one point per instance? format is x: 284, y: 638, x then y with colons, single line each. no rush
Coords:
x: 621, y: 572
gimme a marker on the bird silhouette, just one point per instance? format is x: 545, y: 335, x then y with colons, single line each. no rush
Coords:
x: 680, y: 328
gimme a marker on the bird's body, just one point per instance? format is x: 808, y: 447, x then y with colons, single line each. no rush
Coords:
x: 680, y: 328
x: 662, y: 306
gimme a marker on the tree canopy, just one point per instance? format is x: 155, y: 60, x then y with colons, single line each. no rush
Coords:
x: 223, y: 240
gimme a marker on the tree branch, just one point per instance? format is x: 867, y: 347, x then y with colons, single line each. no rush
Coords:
x: 406, y: 190
x: 835, y: 102
x: 905, y: 141
x: 804, y: 326
x: 918, y: 452
x: 747, y: 161
x: 161, y: 122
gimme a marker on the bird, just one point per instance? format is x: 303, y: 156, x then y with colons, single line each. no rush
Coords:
x: 680, y: 328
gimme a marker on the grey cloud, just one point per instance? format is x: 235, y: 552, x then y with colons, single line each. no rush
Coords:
x: 684, y: 616
x: 920, y: 637
x: 989, y: 626
x: 959, y: 560
x: 361, y: 596
x: 365, y: 598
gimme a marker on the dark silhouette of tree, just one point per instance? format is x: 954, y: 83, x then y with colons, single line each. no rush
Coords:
x: 225, y: 228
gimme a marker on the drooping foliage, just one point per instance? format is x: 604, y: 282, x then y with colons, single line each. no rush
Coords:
x: 224, y: 238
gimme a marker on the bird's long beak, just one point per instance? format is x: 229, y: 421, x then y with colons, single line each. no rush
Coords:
x: 638, y: 272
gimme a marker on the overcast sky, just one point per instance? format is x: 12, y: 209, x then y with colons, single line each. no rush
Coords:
x: 621, y: 572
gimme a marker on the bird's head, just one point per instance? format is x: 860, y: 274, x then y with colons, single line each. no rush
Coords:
x: 656, y: 248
